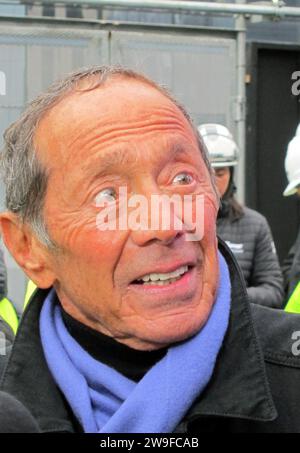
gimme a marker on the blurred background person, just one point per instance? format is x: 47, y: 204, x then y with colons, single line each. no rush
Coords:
x: 291, y: 265
x: 245, y: 231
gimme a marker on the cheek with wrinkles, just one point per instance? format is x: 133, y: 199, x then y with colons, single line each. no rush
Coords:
x: 210, y: 214
x: 202, y: 213
x: 67, y: 228
x: 77, y: 232
x: 98, y: 246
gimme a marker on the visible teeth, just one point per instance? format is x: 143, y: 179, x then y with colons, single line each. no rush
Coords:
x: 163, y: 283
x: 164, y: 277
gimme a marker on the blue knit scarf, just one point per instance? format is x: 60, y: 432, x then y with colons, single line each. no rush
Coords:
x: 105, y: 401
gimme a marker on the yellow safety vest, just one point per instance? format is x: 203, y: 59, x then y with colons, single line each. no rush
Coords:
x: 8, y: 313
x: 293, y: 305
x: 31, y: 287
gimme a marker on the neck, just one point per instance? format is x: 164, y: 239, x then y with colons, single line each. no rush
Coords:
x: 132, y: 363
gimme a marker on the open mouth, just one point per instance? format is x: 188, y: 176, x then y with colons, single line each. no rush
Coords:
x: 165, y: 279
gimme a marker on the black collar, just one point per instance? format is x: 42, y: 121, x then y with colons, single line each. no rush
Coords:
x: 238, y: 388
x: 130, y: 362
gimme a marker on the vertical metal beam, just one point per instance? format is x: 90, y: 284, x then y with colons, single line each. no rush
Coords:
x: 240, y: 118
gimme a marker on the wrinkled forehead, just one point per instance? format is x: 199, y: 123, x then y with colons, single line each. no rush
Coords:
x: 118, y: 110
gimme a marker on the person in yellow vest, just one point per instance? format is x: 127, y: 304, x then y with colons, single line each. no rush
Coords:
x: 31, y: 287
x: 8, y: 314
x: 291, y: 265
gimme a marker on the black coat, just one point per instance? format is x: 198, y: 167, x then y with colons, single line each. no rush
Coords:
x: 255, y: 385
x: 250, y: 239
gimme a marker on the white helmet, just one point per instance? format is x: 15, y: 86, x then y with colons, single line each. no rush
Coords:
x: 292, y: 164
x: 222, y: 149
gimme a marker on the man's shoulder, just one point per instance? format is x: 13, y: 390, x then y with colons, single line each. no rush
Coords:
x: 279, y: 335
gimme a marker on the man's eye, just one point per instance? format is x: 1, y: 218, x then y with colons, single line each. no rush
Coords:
x: 106, y: 196
x: 183, y: 178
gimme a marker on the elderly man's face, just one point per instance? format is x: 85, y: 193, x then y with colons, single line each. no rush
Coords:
x: 126, y: 134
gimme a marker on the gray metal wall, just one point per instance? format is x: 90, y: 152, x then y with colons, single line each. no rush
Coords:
x: 258, y: 29
x: 199, y: 67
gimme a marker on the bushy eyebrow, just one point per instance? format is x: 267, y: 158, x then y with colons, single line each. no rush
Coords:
x: 119, y: 158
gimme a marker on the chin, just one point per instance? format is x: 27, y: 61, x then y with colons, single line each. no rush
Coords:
x: 176, y: 329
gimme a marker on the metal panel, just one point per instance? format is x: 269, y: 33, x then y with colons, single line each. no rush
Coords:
x: 49, y: 53
x: 32, y: 58
x: 198, y: 69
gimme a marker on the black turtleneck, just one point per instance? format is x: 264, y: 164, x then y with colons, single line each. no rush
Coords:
x: 130, y: 362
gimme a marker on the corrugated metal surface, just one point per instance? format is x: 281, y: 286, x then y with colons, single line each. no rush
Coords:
x: 287, y: 30
x: 199, y: 70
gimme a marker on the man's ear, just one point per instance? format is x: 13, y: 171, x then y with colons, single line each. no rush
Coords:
x: 25, y: 248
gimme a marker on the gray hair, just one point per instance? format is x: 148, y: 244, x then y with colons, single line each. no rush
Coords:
x: 24, y: 176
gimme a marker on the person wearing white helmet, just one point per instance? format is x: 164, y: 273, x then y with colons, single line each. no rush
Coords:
x: 291, y: 265
x: 245, y: 231
x: 292, y: 165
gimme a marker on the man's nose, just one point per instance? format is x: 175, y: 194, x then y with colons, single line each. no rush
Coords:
x: 166, y: 237
x: 161, y: 226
